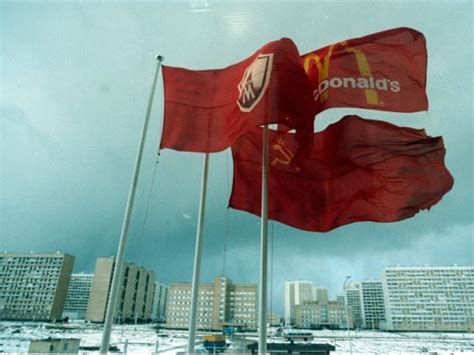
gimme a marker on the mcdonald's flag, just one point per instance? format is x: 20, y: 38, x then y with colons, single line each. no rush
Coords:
x: 383, y: 71
x: 357, y: 170
x: 207, y: 110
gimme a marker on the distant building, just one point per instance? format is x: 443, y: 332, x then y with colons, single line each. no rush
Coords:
x: 372, y: 303
x: 220, y: 304
x: 54, y: 345
x: 273, y: 319
x: 324, y: 314
x: 78, y: 296
x: 179, y: 304
x: 135, y: 296
x: 34, y: 286
x: 320, y: 294
x: 352, y: 295
x: 429, y: 298
x: 297, y: 292
x: 159, y: 302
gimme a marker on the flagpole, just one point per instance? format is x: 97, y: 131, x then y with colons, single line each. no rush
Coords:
x: 197, y: 258
x: 262, y: 321
x: 115, y: 288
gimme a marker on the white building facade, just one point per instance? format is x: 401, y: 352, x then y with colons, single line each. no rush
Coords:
x: 78, y: 296
x: 372, y: 304
x: 352, y: 299
x: 429, y: 298
x: 298, y: 292
x: 324, y: 314
x: 159, y: 303
x: 220, y: 304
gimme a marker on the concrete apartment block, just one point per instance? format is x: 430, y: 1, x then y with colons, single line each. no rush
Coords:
x: 220, y: 304
x: 135, y: 296
x: 429, y: 298
x: 34, y: 286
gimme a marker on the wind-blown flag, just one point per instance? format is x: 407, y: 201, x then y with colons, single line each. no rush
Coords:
x: 208, y: 110
x: 383, y: 71
x: 357, y: 170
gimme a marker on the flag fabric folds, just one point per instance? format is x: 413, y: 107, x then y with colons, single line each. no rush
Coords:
x: 356, y: 170
x: 207, y: 110
x: 382, y: 71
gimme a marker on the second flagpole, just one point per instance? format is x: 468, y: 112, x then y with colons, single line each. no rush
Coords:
x: 197, y: 258
x: 262, y: 319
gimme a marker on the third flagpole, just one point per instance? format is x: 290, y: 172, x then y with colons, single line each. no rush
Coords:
x: 262, y: 319
x: 197, y: 258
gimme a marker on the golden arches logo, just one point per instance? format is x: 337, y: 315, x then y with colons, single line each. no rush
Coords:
x: 323, y: 67
x: 366, y: 80
x: 370, y: 94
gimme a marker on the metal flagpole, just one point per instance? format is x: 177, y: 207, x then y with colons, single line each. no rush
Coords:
x: 197, y: 258
x: 262, y: 320
x: 115, y: 288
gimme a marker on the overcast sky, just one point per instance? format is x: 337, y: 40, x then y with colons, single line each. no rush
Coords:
x: 75, y: 78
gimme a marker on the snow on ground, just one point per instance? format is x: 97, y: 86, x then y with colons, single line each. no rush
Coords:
x: 15, y: 337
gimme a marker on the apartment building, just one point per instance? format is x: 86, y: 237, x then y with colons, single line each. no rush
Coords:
x: 372, y: 304
x: 219, y: 304
x: 429, y: 298
x: 320, y: 294
x: 322, y: 314
x: 297, y: 292
x: 273, y: 319
x: 78, y: 296
x: 159, y: 302
x: 135, y: 296
x: 34, y: 286
x: 352, y: 299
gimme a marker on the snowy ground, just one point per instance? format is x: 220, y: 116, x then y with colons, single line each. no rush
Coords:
x: 15, y: 337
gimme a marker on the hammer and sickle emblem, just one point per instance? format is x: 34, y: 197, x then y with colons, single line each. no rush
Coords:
x: 285, y: 155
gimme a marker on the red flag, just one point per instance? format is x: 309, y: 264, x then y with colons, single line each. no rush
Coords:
x: 357, y: 170
x: 207, y: 110
x: 383, y: 71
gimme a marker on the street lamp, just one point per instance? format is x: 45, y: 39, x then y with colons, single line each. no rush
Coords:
x: 347, y: 314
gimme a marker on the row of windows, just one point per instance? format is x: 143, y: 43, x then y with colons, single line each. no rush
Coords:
x: 394, y: 287
x: 46, y: 307
x: 30, y: 260
x: 434, y: 270
x: 189, y: 292
x: 446, y: 312
x: 461, y: 320
x: 186, y: 297
x: 243, y: 310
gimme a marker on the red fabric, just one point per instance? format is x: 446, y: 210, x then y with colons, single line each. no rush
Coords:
x: 383, y: 71
x: 357, y: 170
x: 201, y: 112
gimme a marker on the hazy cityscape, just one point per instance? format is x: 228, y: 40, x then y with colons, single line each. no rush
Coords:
x: 43, y: 288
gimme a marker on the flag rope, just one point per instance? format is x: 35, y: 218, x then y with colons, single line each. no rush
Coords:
x: 145, y: 217
x: 147, y: 206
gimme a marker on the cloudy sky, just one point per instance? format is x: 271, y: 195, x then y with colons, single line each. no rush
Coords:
x: 75, y: 78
